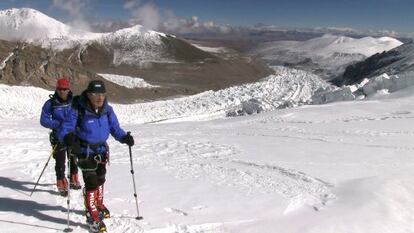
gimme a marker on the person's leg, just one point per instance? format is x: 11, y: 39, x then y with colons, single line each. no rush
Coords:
x: 90, y: 179
x: 74, y: 177
x: 60, y: 158
x: 101, y: 173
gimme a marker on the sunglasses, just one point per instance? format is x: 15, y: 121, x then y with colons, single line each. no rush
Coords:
x: 63, y: 89
x: 98, y: 94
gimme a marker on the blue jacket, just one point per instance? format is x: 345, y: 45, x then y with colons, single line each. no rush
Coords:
x: 54, y: 112
x: 91, y: 128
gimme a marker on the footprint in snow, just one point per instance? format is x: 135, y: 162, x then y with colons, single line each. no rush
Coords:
x: 199, y: 207
x: 177, y: 211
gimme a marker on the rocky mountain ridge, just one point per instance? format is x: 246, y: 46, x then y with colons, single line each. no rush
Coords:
x: 178, y: 67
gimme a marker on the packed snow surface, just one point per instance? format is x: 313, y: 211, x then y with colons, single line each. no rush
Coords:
x: 127, y: 81
x: 341, y: 167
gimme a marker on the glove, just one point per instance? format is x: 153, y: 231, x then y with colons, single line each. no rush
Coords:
x: 128, y: 139
x: 73, y: 143
x: 53, y: 138
x: 70, y: 139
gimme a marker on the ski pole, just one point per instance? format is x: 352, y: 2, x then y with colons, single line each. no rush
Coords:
x: 133, y: 181
x: 44, y: 168
x: 68, y: 229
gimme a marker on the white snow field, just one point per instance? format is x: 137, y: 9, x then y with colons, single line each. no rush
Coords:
x: 127, y: 81
x: 335, y: 168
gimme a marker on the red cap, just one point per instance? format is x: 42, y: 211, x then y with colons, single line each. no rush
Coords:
x: 63, y: 84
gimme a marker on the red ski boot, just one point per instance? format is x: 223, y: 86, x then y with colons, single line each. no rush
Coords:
x: 62, y: 187
x: 99, y: 203
x: 92, y: 213
x: 74, y: 182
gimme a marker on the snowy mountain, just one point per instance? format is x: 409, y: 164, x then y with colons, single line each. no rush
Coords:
x: 174, y: 65
x: 379, y: 74
x: 32, y: 26
x: 327, y: 55
x: 398, y: 61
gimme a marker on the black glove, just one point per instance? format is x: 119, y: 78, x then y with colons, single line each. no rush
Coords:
x: 53, y: 138
x: 70, y: 139
x: 128, y: 139
x: 73, y: 143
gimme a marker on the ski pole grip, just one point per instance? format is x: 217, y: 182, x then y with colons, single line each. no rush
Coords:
x: 129, y: 133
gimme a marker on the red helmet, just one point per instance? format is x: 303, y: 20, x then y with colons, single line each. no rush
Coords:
x: 63, y: 83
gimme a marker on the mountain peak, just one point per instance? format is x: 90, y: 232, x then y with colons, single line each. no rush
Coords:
x: 18, y: 17
x: 30, y: 25
x: 343, y: 39
x: 23, y: 12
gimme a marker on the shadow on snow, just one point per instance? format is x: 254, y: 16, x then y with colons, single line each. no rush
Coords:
x: 21, y: 186
x: 32, y: 208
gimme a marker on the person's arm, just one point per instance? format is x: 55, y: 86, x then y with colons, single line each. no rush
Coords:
x: 68, y: 124
x: 46, y: 118
x: 116, y: 131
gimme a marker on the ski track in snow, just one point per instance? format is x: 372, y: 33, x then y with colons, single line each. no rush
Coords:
x: 217, y: 164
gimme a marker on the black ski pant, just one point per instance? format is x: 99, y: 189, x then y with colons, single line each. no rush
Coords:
x: 60, y: 165
x: 93, y: 171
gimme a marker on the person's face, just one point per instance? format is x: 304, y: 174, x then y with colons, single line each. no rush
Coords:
x: 63, y: 93
x: 97, y: 99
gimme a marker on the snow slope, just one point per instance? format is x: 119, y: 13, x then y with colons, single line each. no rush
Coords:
x: 127, y: 81
x: 343, y: 167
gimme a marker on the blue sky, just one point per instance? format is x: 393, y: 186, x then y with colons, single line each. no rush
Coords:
x: 359, y: 14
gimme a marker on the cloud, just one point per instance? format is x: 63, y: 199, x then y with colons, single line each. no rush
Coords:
x: 151, y: 16
x: 146, y: 14
x: 193, y: 25
x: 76, y: 10
x: 109, y: 25
x: 131, y: 4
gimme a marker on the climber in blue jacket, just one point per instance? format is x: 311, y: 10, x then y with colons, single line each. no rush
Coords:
x: 85, y: 131
x: 53, y: 114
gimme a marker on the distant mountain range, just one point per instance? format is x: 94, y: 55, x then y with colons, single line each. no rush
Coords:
x: 178, y: 67
x: 327, y: 55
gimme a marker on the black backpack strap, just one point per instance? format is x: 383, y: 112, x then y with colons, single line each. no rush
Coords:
x: 79, y: 109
